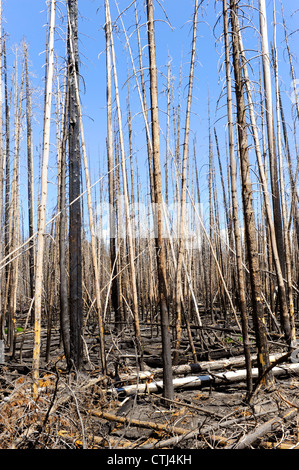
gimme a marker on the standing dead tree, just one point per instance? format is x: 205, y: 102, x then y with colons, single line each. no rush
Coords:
x: 234, y: 197
x: 181, y: 235
x: 1, y: 171
x: 62, y: 204
x: 287, y: 315
x: 160, y: 248
x: 7, y: 98
x: 42, y: 205
x: 115, y: 300
x: 266, y: 195
x: 129, y: 231
x: 75, y: 223
x: 273, y: 159
x: 248, y: 211
x: 30, y: 175
x: 96, y: 273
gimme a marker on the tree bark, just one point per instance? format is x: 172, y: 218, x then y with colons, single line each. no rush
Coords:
x: 90, y: 211
x: 42, y: 206
x: 270, y: 219
x: 160, y: 248
x: 63, y: 287
x: 30, y: 179
x: 112, y: 228
x: 75, y: 223
x: 7, y: 162
x: 271, y: 134
x: 287, y: 310
x: 129, y: 233
x: 181, y: 234
x: 1, y: 172
x: 248, y: 211
x: 237, y: 234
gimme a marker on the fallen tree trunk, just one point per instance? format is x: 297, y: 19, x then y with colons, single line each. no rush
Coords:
x: 195, y: 434
x: 195, y: 368
x: 214, y: 365
x: 139, y: 423
x: 201, y: 380
x: 270, y: 426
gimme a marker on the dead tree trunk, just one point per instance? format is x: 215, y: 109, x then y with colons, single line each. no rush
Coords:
x: 42, y: 207
x: 30, y: 178
x: 63, y: 286
x: 270, y: 219
x: 289, y: 320
x: 112, y: 221
x: 75, y: 224
x: 237, y: 233
x: 129, y: 233
x: 248, y: 211
x: 270, y: 134
x: 1, y: 173
x: 96, y: 273
x: 160, y: 248
x: 7, y: 161
x: 181, y: 234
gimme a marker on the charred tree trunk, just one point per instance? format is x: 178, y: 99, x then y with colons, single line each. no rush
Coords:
x: 63, y: 286
x: 75, y: 224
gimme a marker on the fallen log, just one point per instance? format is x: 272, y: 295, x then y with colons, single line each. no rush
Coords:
x: 195, y: 368
x: 77, y: 439
x: 270, y: 426
x: 205, y: 433
x: 171, y: 441
x: 214, y: 365
x: 139, y: 423
x: 198, y: 381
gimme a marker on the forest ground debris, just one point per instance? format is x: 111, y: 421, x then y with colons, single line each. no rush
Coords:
x: 74, y: 411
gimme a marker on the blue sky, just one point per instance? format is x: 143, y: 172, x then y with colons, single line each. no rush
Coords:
x: 27, y: 19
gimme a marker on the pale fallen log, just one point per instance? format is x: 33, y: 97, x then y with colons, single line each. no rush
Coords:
x: 195, y: 368
x: 214, y: 365
x: 196, y: 381
x: 270, y: 426
x: 206, y: 433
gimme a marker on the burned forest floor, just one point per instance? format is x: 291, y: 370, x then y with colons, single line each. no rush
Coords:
x: 125, y: 409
